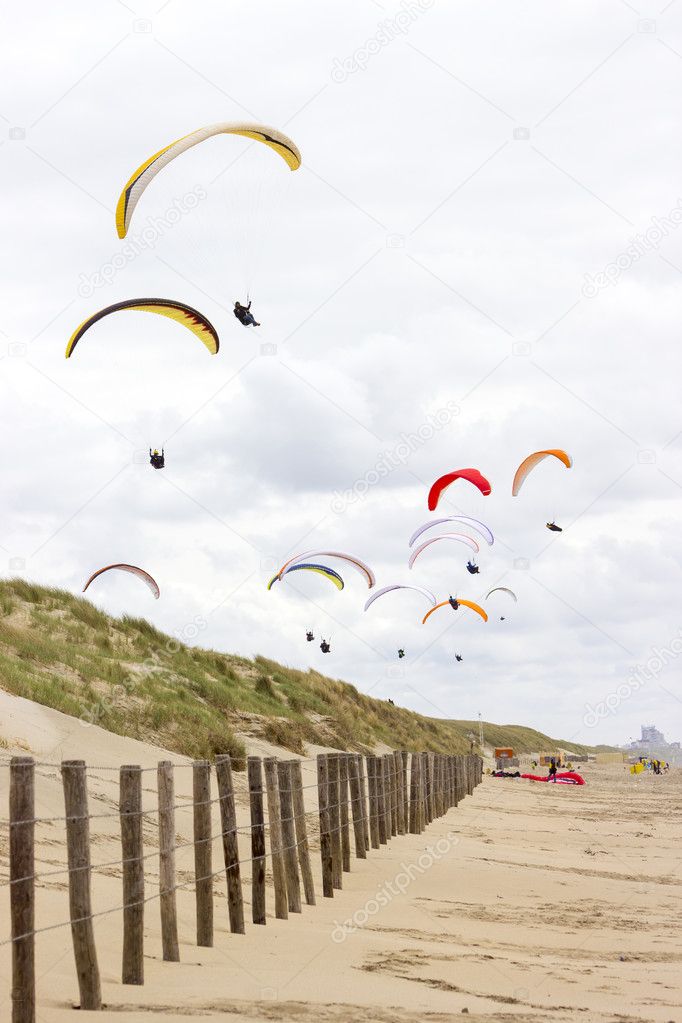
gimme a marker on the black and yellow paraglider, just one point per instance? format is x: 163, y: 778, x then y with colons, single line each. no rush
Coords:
x: 178, y: 311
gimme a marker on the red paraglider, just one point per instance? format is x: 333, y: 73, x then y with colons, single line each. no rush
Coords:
x: 470, y: 475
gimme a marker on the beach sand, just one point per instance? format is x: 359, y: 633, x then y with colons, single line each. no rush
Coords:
x: 527, y: 902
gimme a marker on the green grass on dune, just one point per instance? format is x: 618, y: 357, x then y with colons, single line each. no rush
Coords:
x: 130, y: 678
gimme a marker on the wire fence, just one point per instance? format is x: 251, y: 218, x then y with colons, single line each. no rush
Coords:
x: 362, y: 802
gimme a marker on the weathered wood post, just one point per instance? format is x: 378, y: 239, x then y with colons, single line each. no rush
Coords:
x: 335, y: 817
x: 400, y: 805
x: 80, y: 901
x: 22, y: 887
x: 343, y: 811
x: 384, y: 801
x: 132, y: 850
x: 289, y: 836
x: 228, y: 819
x: 415, y: 785
x: 276, y: 850
x: 406, y: 789
x: 167, y: 889
x: 373, y: 785
x: 302, y: 833
x: 325, y: 824
x: 255, y: 777
x: 390, y: 767
x: 356, y: 807
x: 363, y: 799
x: 436, y: 784
x: 431, y: 760
x: 203, y: 851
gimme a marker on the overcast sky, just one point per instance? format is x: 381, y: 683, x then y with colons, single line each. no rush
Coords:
x: 480, y: 257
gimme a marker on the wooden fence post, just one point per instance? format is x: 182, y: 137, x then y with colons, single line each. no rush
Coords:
x: 289, y: 836
x: 335, y: 817
x: 255, y: 776
x: 406, y: 790
x: 302, y: 833
x: 393, y: 784
x: 80, y: 902
x: 228, y: 822
x: 276, y: 851
x: 425, y: 794
x: 22, y: 887
x: 414, y: 794
x: 203, y: 851
x: 343, y: 808
x: 356, y: 807
x: 167, y: 890
x: 363, y: 799
x: 381, y: 799
x: 373, y: 785
x: 325, y: 824
x: 400, y: 806
x: 132, y: 851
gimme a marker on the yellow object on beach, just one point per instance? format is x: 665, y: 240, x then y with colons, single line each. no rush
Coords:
x: 636, y: 768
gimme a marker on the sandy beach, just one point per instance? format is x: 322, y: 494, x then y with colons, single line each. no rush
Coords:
x: 527, y: 902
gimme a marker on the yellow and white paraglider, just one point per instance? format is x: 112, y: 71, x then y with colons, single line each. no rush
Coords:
x: 146, y: 172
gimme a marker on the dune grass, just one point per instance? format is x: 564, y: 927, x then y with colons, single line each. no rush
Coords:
x: 130, y: 678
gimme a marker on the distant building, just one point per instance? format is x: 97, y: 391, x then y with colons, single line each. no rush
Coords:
x: 653, y: 741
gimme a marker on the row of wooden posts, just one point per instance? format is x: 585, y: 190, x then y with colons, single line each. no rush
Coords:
x: 373, y: 797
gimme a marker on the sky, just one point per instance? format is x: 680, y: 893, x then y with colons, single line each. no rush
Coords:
x: 480, y: 257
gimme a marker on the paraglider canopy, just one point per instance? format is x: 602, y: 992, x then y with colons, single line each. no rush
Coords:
x: 184, y: 314
x: 502, y: 589
x: 328, y: 573
x: 134, y: 570
x: 460, y: 602
x: 460, y: 537
x: 529, y: 463
x: 144, y: 174
x: 399, y: 586
x: 365, y: 570
x: 478, y: 527
x: 470, y: 475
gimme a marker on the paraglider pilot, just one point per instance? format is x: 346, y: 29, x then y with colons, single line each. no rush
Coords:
x: 458, y: 657
x: 325, y: 647
x: 310, y: 636
x: 401, y: 652
x: 554, y: 528
x: 156, y: 459
x: 244, y: 315
x: 453, y: 602
x: 472, y: 568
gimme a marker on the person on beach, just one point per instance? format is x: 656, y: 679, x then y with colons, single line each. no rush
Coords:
x: 551, y: 776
